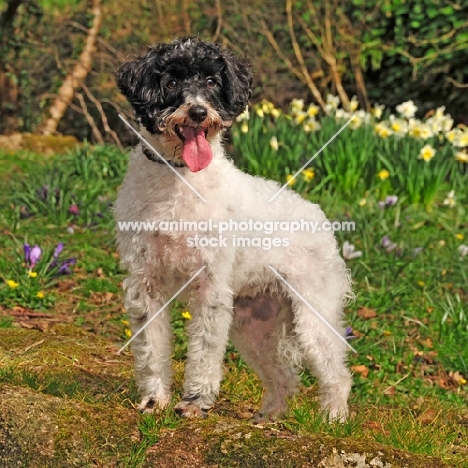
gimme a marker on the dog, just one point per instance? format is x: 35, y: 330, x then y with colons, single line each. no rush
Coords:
x: 185, y: 94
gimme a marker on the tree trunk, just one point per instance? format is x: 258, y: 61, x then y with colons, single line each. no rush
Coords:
x: 78, y: 74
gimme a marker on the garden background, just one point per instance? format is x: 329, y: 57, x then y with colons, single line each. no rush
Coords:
x: 399, y: 170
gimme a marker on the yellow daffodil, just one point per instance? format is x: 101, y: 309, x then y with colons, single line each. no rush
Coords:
x: 427, y: 153
x: 312, y: 126
x: 450, y: 199
x: 407, y: 109
x: 377, y: 111
x: 274, y: 143
x: 461, y: 139
x: 244, y: 127
x: 40, y: 295
x: 383, y: 174
x: 32, y: 274
x: 297, y: 105
x: 186, y: 315
x: 461, y: 156
x: 244, y: 116
x: 312, y: 110
x: 290, y: 180
x: 275, y: 112
x: 382, y: 130
x: 353, y: 104
x: 300, y: 117
x: 12, y: 284
x: 308, y: 174
x: 259, y: 112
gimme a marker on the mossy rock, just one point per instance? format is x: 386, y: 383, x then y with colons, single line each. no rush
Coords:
x: 231, y: 443
x: 36, y: 143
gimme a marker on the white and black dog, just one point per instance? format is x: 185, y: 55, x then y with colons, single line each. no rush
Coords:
x: 185, y: 94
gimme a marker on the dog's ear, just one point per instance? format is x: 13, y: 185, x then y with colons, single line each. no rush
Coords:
x: 237, y: 83
x: 139, y: 79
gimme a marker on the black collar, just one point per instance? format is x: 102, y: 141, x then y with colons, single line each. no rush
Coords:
x: 155, y: 158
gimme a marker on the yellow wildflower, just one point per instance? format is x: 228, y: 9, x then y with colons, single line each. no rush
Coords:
x: 421, y: 284
x: 387, y: 333
x: 459, y: 236
x: 125, y: 322
x: 40, y: 295
x: 383, y: 174
x: 308, y: 174
x: 32, y: 274
x: 363, y: 202
x: 128, y: 333
x: 186, y: 315
x: 427, y: 153
x: 12, y: 284
x: 290, y: 180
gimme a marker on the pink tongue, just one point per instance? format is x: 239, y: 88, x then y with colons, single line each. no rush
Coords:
x: 196, y: 152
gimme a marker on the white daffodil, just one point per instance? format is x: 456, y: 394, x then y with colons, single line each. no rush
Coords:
x: 450, y: 200
x: 407, y: 109
x: 427, y: 153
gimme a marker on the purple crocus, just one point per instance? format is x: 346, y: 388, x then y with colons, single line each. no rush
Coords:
x: 34, y: 255
x: 27, y: 253
x: 390, y: 200
x: 387, y: 244
x: 58, y: 249
x: 349, y: 334
x: 65, y: 266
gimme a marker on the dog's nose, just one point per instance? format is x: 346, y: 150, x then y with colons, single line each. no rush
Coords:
x: 198, y: 113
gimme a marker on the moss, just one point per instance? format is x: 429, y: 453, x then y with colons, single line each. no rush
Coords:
x: 226, y: 442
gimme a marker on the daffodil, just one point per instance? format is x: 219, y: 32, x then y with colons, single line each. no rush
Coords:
x: 312, y: 110
x: 383, y: 174
x: 312, y: 126
x: 12, y: 284
x: 333, y: 101
x: 244, y: 116
x: 363, y: 202
x: 300, y: 117
x: 377, y: 110
x: 420, y: 131
x: 308, y: 174
x: 259, y: 112
x: 186, y: 315
x: 297, y: 105
x: 32, y: 274
x: 461, y: 139
x: 427, y: 153
x: 40, y: 295
x: 450, y: 199
x: 407, y: 109
x: 244, y: 127
x: 275, y: 112
x: 382, y: 130
x: 353, y: 104
x: 274, y: 143
x: 290, y: 179
x: 461, y: 156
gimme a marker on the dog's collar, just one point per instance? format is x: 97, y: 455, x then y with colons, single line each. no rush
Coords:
x: 152, y: 156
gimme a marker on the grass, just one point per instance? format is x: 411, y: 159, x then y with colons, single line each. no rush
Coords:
x: 410, y: 318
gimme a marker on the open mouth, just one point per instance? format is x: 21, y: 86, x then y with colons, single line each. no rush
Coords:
x: 196, y: 151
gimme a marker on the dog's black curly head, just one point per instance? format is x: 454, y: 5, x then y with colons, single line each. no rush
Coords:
x: 212, y: 84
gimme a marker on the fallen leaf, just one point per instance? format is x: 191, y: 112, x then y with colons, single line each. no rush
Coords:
x: 428, y: 416
x: 360, y: 369
x: 366, y: 313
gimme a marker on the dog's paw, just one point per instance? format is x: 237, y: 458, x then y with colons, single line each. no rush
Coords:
x: 150, y: 405
x: 188, y: 409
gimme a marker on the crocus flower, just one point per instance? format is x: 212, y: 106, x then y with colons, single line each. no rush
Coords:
x: 350, y: 252
x: 34, y: 256
x: 58, y: 250
x: 74, y: 210
x: 416, y: 251
x: 65, y: 266
x: 390, y: 200
x: 349, y: 334
x: 387, y: 244
x: 27, y: 253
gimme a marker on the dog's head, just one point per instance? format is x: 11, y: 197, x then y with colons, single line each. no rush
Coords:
x: 187, y: 91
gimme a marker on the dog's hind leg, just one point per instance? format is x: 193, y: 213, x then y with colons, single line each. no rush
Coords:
x: 321, y: 341
x: 152, y: 347
x: 256, y: 332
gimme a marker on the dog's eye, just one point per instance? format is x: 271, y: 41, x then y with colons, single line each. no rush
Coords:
x: 210, y: 83
x: 172, y: 84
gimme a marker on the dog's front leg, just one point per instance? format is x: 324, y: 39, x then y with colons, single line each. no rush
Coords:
x: 152, y: 347
x: 208, y: 331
